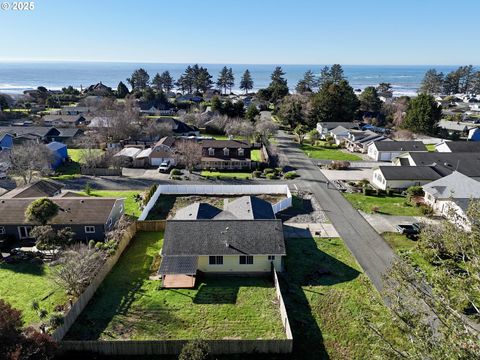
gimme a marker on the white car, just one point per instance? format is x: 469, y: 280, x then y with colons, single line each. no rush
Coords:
x: 165, y: 166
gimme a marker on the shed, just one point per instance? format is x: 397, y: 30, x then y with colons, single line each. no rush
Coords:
x: 60, y: 153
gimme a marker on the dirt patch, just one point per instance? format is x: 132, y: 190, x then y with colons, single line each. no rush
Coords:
x: 167, y: 205
x: 305, y: 209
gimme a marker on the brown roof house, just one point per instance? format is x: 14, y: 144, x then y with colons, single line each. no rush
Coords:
x: 226, y: 154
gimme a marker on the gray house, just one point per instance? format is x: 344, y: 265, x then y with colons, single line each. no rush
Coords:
x: 89, y: 218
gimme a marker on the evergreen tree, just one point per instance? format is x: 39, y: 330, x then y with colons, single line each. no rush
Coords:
x: 307, y: 83
x: 385, y: 90
x: 369, y: 100
x: 167, y: 81
x: 278, y: 86
x: 246, y: 83
x: 432, y: 82
x: 222, y: 81
x: 334, y: 102
x: 122, y: 90
x: 252, y: 113
x: 230, y: 79
x: 157, y: 82
x: 139, y: 79
x: 423, y: 115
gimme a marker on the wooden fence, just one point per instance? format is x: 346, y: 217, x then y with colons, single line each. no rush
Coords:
x: 82, y: 301
x: 151, y: 225
x: 283, y: 309
x: 101, y: 171
x: 174, y: 347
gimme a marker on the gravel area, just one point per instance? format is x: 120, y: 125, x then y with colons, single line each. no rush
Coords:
x: 305, y: 209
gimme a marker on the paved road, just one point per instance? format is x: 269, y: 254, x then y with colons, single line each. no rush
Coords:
x: 371, y: 251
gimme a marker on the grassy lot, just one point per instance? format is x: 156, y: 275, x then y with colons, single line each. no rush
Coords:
x: 26, y: 281
x: 71, y: 170
x: 327, y: 296
x: 256, y: 155
x: 324, y: 153
x: 227, y: 174
x: 130, y: 306
x: 131, y: 207
x: 75, y: 154
x: 389, y: 205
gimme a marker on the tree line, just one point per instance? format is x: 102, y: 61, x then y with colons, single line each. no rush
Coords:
x: 464, y: 80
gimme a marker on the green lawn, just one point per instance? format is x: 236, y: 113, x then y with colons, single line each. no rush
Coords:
x: 389, y: 205
x: 75, y: 154
x: 327, y: 298
x: 324, y: 153
x: 71, y: 169
x: 256, y: 155
x: 227, y: 174
x: 131, y: 206
x: 130, y: 306
x: 26, y: 281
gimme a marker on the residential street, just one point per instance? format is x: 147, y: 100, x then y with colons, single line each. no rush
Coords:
x: 372, y: 253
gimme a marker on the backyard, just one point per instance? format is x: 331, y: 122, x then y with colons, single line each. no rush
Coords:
x: 131, y: 206
x: 130, y: 306
x: 326, y: 153
x: 388, y: 205
x: 23, y: 282
x: 71, y: 169
x: 328, y: 301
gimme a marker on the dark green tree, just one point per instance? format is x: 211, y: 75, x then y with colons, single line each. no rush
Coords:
x: 432, y: 82
x: 222, y: 81
x: 307, y: 83
x: 167, y: 81
x: 157, y: 82
x: 122, y: 90
x: 252, y: 113
x: 47, y: 238
x: 423, y: 114
x: 278, y: 86
x: 246, y: 83
x: 41, y: 211
x: 217, y: 104
x: 334, y: 102
x: 369, y: 100
x: 139, y: 79
x: 385, y: 90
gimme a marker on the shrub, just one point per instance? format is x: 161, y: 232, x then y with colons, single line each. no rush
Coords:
x: 176, y: 177
x: 87, y: 188
x: 339, y: 165
x: 278, y: 170
x: 375, y: 209
x: 414, y: 191
x: 268, y: 171
x: 175, y: 172
x: 91, y: 244
x: 271, y: 176
x: 195, y: 350
x: 426, y: 210
x: 55, y: 320
x: 149, y: 194
x: 256, y: 174
x: 290, y: 175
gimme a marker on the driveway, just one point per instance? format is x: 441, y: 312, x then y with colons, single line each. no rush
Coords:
x: 348, y: 175
x: 370, y: 250
x: 386, y: 223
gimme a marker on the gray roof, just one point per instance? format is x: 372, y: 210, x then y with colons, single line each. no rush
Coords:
x: 178, y: 265
x: 400, y: 146
x: 223, y: 237
x: 247, y: 208
x: 41, y: 188
x: 466, y: 163
x: 463, y: 146
x: 455, y: 185
x: 409, y: 173
x: 197, y: 211
x: 333, y: 125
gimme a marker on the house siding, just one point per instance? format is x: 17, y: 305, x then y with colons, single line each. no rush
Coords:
x: 231, y: 264
x: 79, y: 230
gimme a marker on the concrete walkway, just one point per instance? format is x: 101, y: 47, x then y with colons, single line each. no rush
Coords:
x: 299, y: 231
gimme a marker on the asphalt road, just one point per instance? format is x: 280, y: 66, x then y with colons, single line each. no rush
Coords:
x: 372, y: 253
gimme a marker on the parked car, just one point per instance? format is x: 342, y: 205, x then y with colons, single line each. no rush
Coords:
x: 408, y: 229
x: 165, y: 167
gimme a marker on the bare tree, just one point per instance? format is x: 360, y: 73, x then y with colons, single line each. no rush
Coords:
x: 89, y: 156
x: 403, y: 134
x: 265, y: 128
x: 155, y: 130
x: 188, y: 153
x: 28, y: 159
x: 241, y: 128
x: 118, y: 121
x: 79, y: 264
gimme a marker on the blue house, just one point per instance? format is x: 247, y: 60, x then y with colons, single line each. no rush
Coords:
x: 6, y: 141
x: 474, y: 134
x: 60, y: 153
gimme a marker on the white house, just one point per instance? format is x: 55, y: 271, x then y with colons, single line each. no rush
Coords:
x: 339, y: 134
x: 451, y: 195
x: 387, y: 150
x: 458, y: 146
x: 402, y: 177
x: 324, y: 128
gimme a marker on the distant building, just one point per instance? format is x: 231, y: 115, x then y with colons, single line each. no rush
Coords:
x: 402, y: 177
x: 458, y: 146
x: 324, y: 128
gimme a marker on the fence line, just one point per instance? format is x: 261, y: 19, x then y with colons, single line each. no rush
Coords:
x: 82, y: 301
x: 100, y: 171
x: 220, y: 190
x: 283, y: 309
x: 151, y: 225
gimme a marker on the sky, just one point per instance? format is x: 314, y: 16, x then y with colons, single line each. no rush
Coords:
x: 358, y: 32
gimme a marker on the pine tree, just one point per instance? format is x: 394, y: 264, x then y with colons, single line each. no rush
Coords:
x: 122, y: 90
x: 246, y: 83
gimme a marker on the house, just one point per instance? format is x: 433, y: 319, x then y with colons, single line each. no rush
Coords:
x: 451, y: 195
x: 89, y: 218
x: 128, y: 155
x: 228, y: 247
x: 339, y: 134
x: 358, y: 141
x: 225, y: 154
x: 40, y: 133
x: 445, y: 163
x: 162, y: 151
x: 38, y: 189
x: 324, y: 128
x: 6, y: 140
x: 60, y: 153
x: 178, y: 127
x: 458, y: 146
x: 387, y: 150
x: 63, y: 120
x: 402, y: 177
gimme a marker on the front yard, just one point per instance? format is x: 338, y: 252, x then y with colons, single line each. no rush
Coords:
x: 130, y: 306
x: 25, y: 281
x: 328, y: 300
x: 325, y: 153
x: 388, y: 205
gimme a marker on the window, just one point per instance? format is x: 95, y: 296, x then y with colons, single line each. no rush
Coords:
x: 89, y: 229
x: 215, y: 260
x: 226, y: 152
x: 211, y: 151
x: 271, y: 257
x: 2, y: 230
x: 24, y: 232
x: 241, y: 152
x: 246, y: 260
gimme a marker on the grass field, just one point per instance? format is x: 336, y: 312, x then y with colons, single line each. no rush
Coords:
x: 75, y: 154
x: 389, y: 205
x: 131, y: 207
x: 227, y: 174
x: 26, y: 281
x: 327, y: 297
x: 256, y: 155
x: 323, y: 153
x: 71, y: 170
x: 130, y: 306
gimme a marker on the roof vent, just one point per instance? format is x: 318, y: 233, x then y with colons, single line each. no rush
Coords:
x: 82, y: 201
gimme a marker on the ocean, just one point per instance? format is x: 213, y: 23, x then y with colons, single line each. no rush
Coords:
x: 20, y: 76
